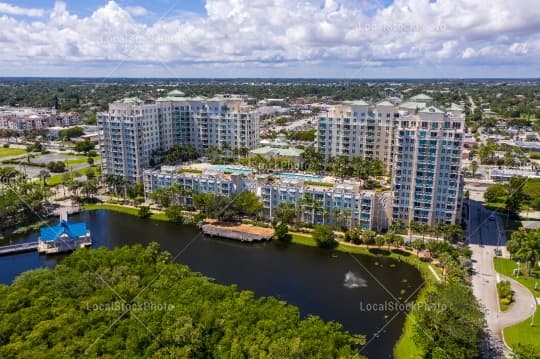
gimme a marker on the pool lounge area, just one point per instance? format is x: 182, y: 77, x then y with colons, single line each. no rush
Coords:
x: 300, y: 176
x: 232, y: 169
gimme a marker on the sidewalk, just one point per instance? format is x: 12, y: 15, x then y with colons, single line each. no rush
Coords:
x: 484, y: 281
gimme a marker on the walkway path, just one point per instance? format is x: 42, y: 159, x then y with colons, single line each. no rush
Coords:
x: 434, y: 273
x: 484, y: 283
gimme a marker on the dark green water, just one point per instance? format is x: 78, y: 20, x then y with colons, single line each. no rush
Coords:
x: 336, y: 286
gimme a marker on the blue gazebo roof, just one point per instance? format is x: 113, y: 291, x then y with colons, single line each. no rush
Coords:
x: 52, y: 233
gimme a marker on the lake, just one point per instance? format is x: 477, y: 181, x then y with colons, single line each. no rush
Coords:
x: 357, y: 291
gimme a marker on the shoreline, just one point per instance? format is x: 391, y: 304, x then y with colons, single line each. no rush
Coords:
x: 404, y: 347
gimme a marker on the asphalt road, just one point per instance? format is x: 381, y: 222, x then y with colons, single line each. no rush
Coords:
x: 485, y: 237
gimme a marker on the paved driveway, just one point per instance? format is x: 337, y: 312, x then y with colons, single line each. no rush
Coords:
x: 485, y: 236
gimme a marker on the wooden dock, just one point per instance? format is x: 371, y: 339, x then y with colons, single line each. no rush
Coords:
x: 19, y: 248
x: 65, y: 211
x: 239, y: 232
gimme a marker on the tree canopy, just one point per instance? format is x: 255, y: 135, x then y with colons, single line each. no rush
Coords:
x: 134, y: 302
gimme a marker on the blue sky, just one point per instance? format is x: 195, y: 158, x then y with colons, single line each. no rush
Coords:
x: 87, y: 7
x: 270, y: 38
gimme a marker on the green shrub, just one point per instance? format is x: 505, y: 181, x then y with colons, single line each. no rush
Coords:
x: 506, y: 296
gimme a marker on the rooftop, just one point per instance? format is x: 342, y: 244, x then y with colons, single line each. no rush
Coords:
x: 421, y: 98
x: 131, y: 101
x: 356, y: 103
x: 431, y: 109
x: 385, y: 103
x: 72, y: 230
x: 412, y: 105
x: 176, y: 93
x: 456, y: 107
x: 280, y: 146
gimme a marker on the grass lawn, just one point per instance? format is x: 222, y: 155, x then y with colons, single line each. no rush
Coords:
x: 405, y: 348
x: 522, y: 333
x: 56, y: 179
x: 77, y: 161
x: 5, y: 152
x: 495, y: 206
x: 80, y: 161
x: 123, y: 209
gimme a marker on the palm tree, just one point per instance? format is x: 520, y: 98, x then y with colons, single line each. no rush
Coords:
x: 397, y: 227
x: 418, y: 245
x: 44, y: 174
x: 368, y: 237
x: 431, y: 246
x: 344, y: 217
x: 439, y: 229
x: 74, y: 187
x: 66, y: 178
x: 285, y: 212
x: 379, y: 240
x: 414, y: 226
x: 474, y: 167
x: 390, y: 238
x: 453, y: 232
x: 335, y: 215
x: 529, y: 251
x: 325, y: 213
x: 243, y: 151
x: 90, y: 188
x: 339, y: 166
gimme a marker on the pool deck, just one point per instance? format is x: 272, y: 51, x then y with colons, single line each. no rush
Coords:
x: 235, y: 169
x: 300, y: 176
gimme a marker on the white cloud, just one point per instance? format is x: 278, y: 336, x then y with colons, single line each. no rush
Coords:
x: 284, y: 34
x: 9, y: 9
x: 468, y: 53
x: 137, y: 11
x: 447, y: 49
x: 519, y: 48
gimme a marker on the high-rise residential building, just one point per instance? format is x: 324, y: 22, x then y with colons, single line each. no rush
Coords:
x: 419, y: 144
x: 357, y: 129
x: 131, y: 131
x: 427, y: 184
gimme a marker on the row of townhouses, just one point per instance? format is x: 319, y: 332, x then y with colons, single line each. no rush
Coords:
x: 419, y: 144
x: 131, y: 131
x: 20, y: 119
x: 330, y: 201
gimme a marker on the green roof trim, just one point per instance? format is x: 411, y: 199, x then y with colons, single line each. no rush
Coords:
x: 412, y: 105
x: 421, y: 97
x: 431, y: 109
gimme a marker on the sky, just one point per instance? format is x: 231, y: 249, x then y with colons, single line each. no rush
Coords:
x: 271, y: 38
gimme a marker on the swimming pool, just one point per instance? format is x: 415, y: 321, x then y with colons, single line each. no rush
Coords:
x: 232, y: 169
x: 300, y: 176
